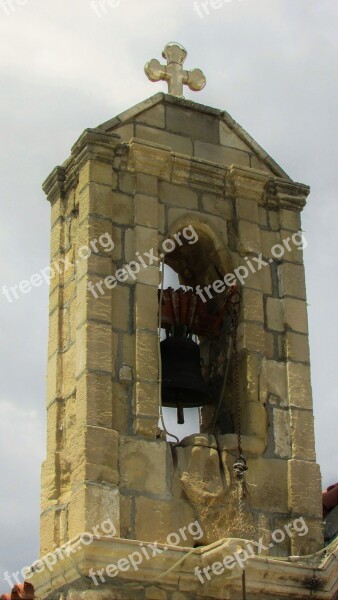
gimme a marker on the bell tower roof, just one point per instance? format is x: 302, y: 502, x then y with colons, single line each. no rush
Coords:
x: 209, y: 129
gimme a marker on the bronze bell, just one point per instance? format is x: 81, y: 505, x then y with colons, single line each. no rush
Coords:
x: 183, y: 385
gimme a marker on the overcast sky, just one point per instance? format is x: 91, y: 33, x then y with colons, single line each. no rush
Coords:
x: 272, y: 64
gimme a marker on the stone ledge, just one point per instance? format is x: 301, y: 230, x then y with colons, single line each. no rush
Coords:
x: 174, y: 568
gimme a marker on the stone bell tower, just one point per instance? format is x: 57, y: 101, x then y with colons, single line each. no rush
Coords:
x: 172, y: 169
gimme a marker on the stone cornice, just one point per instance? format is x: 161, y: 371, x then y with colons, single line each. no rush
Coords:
x: 245, y: 182
x: 174, y: 567
x: 160, y: 161
x: 93, y: 144
x: 291, y: 195
x: 53, y: 186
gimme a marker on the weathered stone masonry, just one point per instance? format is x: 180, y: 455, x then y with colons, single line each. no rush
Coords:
x: 141, y: 177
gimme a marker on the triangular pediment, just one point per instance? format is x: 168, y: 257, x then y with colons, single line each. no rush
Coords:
x: 193, y: 129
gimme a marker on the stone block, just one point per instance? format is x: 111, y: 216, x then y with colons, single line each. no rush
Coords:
x: 94, y: 399
x: 149, y: 276
x: 127, y: 183
x: 221, y: 154
x: 281, y: 433
x: 96, y: 172
x: 267, y: 480
x: 252, y: 305
x: 147, y: 184
x: 147, y: 399
x: 146, y: 307
x: 49, y: 534
x: 254, y: 420
x: 178, y: 195
x: 95, y: 199
x: 155, y: 593
x: 143, y: 466
x: 53, y: 377
x: 88, y: 240
x: 290, y: 219
x: 251, y: 337
x: 146, y: 356
x: 123, y: 209
x: 100, y: 265
x: 196, y: 125
x: 299, y: 385
x: 178, y: 143
x: 54, y: 341
x: 247, y: 209
x: 90, y: 506
x: 146, y: 211
x: 126, y: 503
x: 249, y: 377
x: 273, y: 382
x: 129, y: 248
x: 129, y: 349
x: 312, y: 541
x: 303, y: 437
x: 101, y: 452
x: 305, y: 494
x: 269, y: 240
x: 90, y: 302
x: 154, y: 116
x: 274, y: 223
x: 127, y: 132
x: 121, y: 408
x: 217, y: 205
x: 50, y: 483
x: 297, y: 347
x: 229, y: 138
x: 274, y: 314
x: 166, y: 517
x: 266, y: 280
x: 293, y: 247
x: 263, y: 217
x: 292, y: 280
x: 146, y: 426
x: 121, y: 307
x: 260, y: 165
x: 96, y: 347
x: 249, y: 237
x: 146, y: 239
x: 67, y: 379
x: 295, y: 315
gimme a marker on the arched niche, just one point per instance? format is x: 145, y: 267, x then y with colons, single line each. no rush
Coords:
x: 200, y: 262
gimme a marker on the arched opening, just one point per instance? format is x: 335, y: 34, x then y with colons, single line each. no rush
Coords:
x: 192, y: 420
x: 195, y: 268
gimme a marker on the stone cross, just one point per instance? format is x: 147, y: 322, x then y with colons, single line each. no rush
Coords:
x: 174, y: 73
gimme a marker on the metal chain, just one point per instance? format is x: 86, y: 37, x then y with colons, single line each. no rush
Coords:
x: 240, y: 466
x: 236, y: 380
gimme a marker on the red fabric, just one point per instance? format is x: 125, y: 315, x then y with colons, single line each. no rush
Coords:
x: 330, y: 498
x: 22, y: 591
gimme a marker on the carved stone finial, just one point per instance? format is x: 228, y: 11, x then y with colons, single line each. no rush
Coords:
x: 173, y: 72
